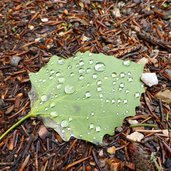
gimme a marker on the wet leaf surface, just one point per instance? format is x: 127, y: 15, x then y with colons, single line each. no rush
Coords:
x: 142, y: 31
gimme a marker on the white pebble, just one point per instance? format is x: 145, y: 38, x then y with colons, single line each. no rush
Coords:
x: 133, y: 122
x: 136, y: 136
x: 44, y: 20
x: 149, y: 79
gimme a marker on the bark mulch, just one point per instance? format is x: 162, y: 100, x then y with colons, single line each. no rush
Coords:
x: 31, y: 31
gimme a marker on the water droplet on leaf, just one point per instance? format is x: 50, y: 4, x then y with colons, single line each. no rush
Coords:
x: 69, y: 89
x: 94, y: 76
x: 58, y: 74
x: 59, y: 86
x: 81, y: 77
x: 114, y: 74
x: 99, y: 89
x: 91, y: 126
x: 44, y: 98
x: 87, y: 94
x: 64, y: 123
x: 53, y: 114
x: 81, y: 63
x: 61, y: 61
x: 122, y: 75
x: 91, y: 61
x: 100, y: 67
x: 52, y: 104
x: 99, y: 82
x: 127, y: 62
x: 137, y: 95
x: 98, y: 128
x: 81, y: 71
x: 61, y: 80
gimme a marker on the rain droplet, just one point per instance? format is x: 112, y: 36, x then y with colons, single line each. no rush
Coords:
x: 44, y: 98
x: 99, y: 89
x: 61, y: 80
x: 72, y: 74
x: 81, y: 63
x: 125, y: 101
x: 51, y: 78
x: 101, y: 95
x: 129, y: 73
x: 121, y: 85
x: 127, y: 62
x: 114, y: 82
x: 53, y: 114
x: 91, y: 126
x: 100, y: 67
x: 58, y: 74
x: 59, y: 86
x: 107, y: 101
x: 113, y: 101
x: 119, y: 100
x: 127, y: 91
x: 81, y: 77
x: 94, y: 76
x: 88, y: 70
x: 61, y: 61
x: 70, y: 119
x: 90, y: 54
x: 87, y: 94
x: 91, y: 61
x: 98, y: 129
x: 114, y: 74
x: 52, y: 72
x: 81, y: 71
x: 69, y: 67
x: 137, y: 95
x: 122, y: 75
x: 64, y: 123
x: 52, y: 104
x: 46, y: 108
x: 69, y: 89
x: 130, y: 79
x: 99, y: 82
x: 92, y: 113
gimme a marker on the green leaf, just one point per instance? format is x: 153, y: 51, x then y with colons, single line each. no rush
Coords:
x: 86, y: 96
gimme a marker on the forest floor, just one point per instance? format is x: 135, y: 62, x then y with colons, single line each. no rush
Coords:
x: 31, y: 31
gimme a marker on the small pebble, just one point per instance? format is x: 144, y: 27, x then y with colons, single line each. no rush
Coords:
x: 164, y: 96
x: 143, y: 61
x: 133, y: 122
x: 15, y: 60
x: 136, y: 136
x: 101, y: 153
x: 149, y: 79
x: 43, y: 132
x: 111, y: 150
x: 44, y: 20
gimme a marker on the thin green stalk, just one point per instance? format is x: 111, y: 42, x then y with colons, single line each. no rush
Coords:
x: 143, y: 125
x: 15, y: 125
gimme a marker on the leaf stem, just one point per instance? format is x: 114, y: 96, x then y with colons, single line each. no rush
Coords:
x: 15, y: 125
x: 143, y: 125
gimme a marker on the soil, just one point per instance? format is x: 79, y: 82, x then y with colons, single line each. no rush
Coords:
x: 31, y: 31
